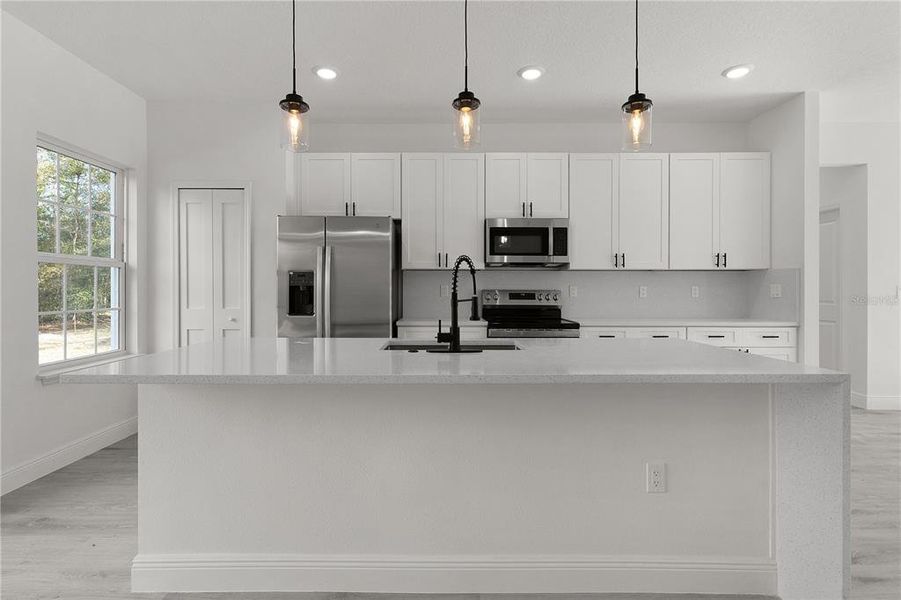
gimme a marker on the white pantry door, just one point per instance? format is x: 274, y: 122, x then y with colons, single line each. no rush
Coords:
x: 830, y: 291
x: 213, y: 264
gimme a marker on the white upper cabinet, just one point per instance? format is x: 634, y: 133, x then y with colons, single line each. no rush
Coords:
x: 547, y: 185
x: 745, y: 210
x: 423, y: 193
x: 443, y: 209
x: 375, y: 187
x: 694, y: 210
x: 324, y: 184
x: 350, y: 184
x: 720, y: 211
x: 505, y: 185
x: 526, y: 185
x: 642, y: 212
x: 593, y: 191
x: 463, y: 207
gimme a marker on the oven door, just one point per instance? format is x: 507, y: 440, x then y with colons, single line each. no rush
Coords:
x: 512, y: 242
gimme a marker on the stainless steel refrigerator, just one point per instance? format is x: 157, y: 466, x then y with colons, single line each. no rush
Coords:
x: 338, y: 277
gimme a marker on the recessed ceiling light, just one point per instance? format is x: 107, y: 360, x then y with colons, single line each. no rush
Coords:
x: 325, y: 72
x: 737, y: 72
x: 530, y: 73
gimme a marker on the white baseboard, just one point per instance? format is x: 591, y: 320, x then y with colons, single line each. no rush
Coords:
x: 871, y: 402
x: 450, y: 574
x: 44, y: 465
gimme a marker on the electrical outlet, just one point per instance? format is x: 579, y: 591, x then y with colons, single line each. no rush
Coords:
x: 642, y: 291
x: 656, y: 477
x: 573, y: 291
x: 445, y: 291
x: 695, y: 291
x: 775, y: 290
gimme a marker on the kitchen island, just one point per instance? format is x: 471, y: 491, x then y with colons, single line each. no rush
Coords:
x: 272, y: 464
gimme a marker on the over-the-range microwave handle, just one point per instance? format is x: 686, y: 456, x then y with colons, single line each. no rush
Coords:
x: 318, y: 282
x: 327, y: 293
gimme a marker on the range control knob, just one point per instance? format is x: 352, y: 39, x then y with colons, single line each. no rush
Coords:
x: 555, y: 297
x: 547, y: 297
x: 496, y: 296
x: 539, y: 297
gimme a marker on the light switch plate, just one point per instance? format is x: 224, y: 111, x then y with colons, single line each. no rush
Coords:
x: 642, y: 291
x: 573, y: 291
x: 775, y: 290
x: 695, y: 291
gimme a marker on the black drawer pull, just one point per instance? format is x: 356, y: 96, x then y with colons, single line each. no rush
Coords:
x: 770, y: 337
x: 716, y: 337
x: 606, y: 336
x: 659, y: 336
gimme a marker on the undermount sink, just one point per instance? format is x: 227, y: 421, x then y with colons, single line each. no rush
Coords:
x: 416, y: 346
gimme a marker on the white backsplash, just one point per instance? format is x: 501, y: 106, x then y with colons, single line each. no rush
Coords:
x: 613, y: 294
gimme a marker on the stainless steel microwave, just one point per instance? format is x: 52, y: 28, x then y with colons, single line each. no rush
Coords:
x: 526, y: 242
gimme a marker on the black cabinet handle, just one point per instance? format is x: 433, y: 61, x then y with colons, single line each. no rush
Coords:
x: 717, y: 259
x: 606, y: 336
x: 724, y: 260
x: 624, y: 260
x: 616, y: 260
x: 715, y: 337
x: 659, y: 336
x: 523, y: 209
x: 770, y: 337
x: 530, y: 210
x: 445, y: 259
x: 354, y: 209
x: 345, y: 209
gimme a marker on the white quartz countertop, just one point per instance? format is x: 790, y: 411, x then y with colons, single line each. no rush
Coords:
x: 362, y: 361
x: 623, y: 322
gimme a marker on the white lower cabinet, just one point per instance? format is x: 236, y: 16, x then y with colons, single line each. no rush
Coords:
x: 772, y: 342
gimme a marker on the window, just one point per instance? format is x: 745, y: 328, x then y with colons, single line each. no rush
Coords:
x: 80, y: 256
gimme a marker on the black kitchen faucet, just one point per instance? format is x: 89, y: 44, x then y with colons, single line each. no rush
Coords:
x: 453, y: 337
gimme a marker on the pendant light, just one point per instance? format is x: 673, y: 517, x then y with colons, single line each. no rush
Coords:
x: 466, y: 105
x: 295, y: 123
x: 637, y: 111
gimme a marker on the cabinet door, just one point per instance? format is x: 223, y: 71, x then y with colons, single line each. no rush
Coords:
x: 694, y: 210
x: 547, y: 186
x: 642, y: 214
x: 324, y: 184
x: 745, y: 209
x: 505, y: 185
x: 463, y: 214
x: 375, y: 191
x: 593, y: 188
x: 422, y: 190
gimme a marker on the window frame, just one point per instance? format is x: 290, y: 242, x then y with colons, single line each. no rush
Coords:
x: 118, y: 248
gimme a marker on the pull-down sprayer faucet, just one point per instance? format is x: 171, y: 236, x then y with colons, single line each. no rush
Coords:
x: 453, y: 337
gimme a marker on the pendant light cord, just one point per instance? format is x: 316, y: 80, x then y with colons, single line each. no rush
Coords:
x: 466, y: 45
x: 294, y: 44
x: 636, y: 46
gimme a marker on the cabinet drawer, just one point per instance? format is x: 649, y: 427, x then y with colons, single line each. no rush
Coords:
x: 765, y: 337
x: 715, y: 336
x: 606, y: 333
x: 656, y: 332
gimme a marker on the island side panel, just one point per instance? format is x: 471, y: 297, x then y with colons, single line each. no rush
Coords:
x: 813, y: 466
x: 455, y: 488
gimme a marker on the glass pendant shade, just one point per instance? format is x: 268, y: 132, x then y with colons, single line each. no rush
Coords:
x: 295, y: 131
x: 466, y: 128
x: 637, y: 123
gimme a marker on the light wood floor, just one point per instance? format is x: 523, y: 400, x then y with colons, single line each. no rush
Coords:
x: 72, y: 535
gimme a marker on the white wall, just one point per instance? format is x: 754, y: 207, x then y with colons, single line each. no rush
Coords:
x: 239, y: 141
x: 851, y: 136
x: 789, y: 132
x: 47, y: 90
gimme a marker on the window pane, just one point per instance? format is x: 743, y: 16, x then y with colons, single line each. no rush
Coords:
x: 46, y: 174
x: 79, y: 334
x: 50, y: 338
x: 73, y: 182
x: 101, y: 241
x: 79, y: 287
x: 46, y: 227
x: 73, y: 231
x: 107, y: 331
x: 50, y: 287
x: 102, y: 182
x: 108, y: 287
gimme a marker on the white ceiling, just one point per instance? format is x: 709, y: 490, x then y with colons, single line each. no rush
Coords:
x: 402, y: 61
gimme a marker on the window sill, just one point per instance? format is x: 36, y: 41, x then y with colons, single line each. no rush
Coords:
x: 50, y: 375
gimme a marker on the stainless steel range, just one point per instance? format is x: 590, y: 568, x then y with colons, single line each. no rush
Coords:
x: 526, y: 314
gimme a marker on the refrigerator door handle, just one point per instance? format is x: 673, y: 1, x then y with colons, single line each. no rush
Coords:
x: 327, y: 292
x: 318, y: 283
